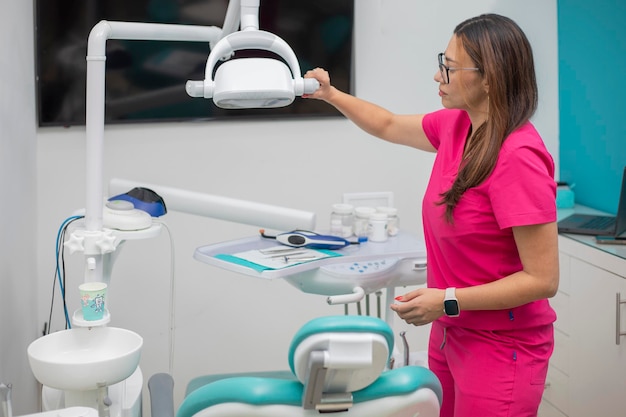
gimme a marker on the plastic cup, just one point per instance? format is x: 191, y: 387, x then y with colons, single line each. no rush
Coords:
x: 92, y: 300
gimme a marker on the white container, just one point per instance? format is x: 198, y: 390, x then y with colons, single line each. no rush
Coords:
x: 336, y: 228
x: 393, y: 223
x: 362, y: 220
x: 378, y: 227
x: 345, y: 214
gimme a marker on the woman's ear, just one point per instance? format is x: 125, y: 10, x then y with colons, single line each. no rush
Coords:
x: 485, y: 86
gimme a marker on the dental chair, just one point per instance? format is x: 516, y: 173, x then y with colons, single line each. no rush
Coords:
x: 338, y: 365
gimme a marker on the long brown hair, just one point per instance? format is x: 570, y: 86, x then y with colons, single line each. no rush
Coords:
x: 501, y: 51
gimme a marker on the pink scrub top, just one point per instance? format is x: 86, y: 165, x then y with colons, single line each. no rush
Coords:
x: 479, y: 246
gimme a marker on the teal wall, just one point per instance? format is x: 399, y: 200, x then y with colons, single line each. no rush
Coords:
x: 592, y: 99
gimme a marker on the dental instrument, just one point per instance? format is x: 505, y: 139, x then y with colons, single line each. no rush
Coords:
x: 306, y: 239
x: 279, y: 251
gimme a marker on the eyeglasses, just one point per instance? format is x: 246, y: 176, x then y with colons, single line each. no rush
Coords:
x: 445, y: 70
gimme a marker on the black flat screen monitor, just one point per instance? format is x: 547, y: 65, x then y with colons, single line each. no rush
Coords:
x: 145, y: 80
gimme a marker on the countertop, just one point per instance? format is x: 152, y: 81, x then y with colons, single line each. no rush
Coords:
x: 617, y: 250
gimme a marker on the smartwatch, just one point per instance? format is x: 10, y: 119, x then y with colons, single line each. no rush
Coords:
x: 450, y: 303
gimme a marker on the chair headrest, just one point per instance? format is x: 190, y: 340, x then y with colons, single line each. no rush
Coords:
x: 355, y: 349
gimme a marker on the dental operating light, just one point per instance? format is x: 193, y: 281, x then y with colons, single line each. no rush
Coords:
x: 246, y: 83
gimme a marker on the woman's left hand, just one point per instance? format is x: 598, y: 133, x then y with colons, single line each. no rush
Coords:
x: 421, y: 306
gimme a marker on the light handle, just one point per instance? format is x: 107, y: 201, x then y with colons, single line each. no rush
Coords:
x: 251, y: 39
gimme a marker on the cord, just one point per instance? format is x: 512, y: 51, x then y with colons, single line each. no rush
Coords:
x: 60, y: 275
x: 60, y: 265
x: 61, y: 247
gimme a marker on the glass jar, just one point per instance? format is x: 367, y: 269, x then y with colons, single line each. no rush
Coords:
x: 393, y: 223
x: 345, y: 214
x: 361, y: 220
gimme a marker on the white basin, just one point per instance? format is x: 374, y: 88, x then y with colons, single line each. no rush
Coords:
x: 81, y: 358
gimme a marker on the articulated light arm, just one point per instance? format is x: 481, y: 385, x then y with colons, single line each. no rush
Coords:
x: 96, y: 58
x: 255, y: 83
x: 249, y: 14
x: 232, y: 19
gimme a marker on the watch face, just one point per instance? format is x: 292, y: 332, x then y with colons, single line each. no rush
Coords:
x: 451, y: 307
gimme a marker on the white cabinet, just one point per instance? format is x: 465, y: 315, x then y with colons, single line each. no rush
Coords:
x: 556, y: 395
x: 587, y: 375
x: 598, y: 369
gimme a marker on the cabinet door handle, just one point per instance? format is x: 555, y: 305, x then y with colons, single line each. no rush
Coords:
x: 618, y: 316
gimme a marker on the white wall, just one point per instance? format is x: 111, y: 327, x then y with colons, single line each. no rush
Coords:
x: 18, y: 204
x: 225, y: 322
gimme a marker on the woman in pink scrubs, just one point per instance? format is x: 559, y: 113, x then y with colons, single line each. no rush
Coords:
x: 489, y: 218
